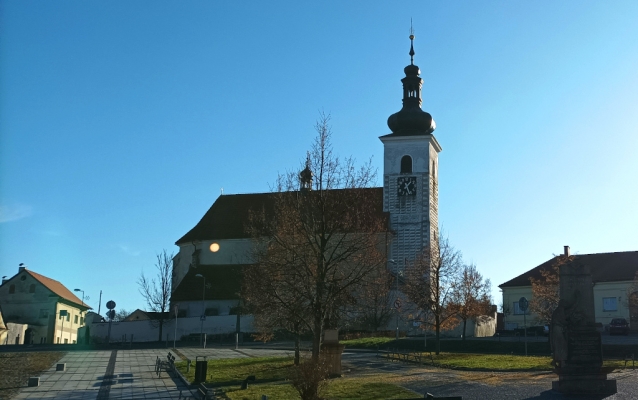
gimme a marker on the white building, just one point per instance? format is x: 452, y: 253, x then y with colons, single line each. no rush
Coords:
x: 51, y: 311
x: 613, y: 275
x: 219, y: 245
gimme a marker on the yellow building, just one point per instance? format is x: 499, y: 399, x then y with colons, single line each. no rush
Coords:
x: 51, y: 311
x: 614, y: 278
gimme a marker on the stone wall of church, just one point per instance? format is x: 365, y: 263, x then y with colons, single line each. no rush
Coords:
x: 229, y: 251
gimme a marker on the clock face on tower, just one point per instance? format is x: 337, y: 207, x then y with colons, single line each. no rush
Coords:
x: 406, y: 186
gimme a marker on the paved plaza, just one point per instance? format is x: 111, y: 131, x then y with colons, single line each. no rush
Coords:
x: 130, y: 374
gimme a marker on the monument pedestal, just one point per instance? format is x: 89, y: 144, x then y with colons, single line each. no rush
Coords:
x: 331, y: 352
x: 585, y: 384
x: 576, y: 343
x: 332, y: 357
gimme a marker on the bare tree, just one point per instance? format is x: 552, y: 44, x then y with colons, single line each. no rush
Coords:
x: 321, y: 240
x: 430, y: 283
x: 546, y: 291
x: 275, y: 303
x: 471, y: 295
x: 121, y: 314
x: 157, y: 291
x: 374, y: 309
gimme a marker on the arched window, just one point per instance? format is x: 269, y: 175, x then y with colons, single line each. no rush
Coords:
x: 406, y: 165
x: 32, y: 288
x: 12, y: 289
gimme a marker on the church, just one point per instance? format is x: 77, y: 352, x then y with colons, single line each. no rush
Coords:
x: 208, y: 267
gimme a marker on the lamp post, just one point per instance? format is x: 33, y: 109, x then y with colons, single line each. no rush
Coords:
x: 80, y: 290
x: 201, y: 331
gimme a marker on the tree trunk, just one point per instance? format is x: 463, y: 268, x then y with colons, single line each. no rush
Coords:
x: 161, y: 325
x: 297, y: 340
x: 316, y: 336
x: 437, y: 323
x: 464, y: 325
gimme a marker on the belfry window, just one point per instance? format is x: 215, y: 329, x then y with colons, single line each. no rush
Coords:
x: 406, y: 165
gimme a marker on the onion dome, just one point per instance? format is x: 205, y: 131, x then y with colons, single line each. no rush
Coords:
x: 411, y: 120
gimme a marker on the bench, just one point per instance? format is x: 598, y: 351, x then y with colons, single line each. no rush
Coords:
x: 205, y: 393
x: 630, y: 357
x: 407, y: 356
x: 168, y: 365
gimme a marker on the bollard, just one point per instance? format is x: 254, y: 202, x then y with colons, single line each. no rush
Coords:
x: 60, y: 367
x: 264, y: 397
x: 34, y: 381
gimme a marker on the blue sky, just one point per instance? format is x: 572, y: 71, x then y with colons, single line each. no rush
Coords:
x: 120, y: 122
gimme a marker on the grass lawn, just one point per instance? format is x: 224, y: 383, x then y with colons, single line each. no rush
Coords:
x: 271, y: 375
x: 340, y: 388
x: 500, y: 362
x: 16, y: 368
x: 234, y: 370
x: 274, y: 371
x: 367, y: 343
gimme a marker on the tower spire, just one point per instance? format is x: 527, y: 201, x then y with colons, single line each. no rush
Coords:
x: 411, y: 43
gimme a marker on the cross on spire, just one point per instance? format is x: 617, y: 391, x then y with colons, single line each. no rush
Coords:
x: 411, y: 43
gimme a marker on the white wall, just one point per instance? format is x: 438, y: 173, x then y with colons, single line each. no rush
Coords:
x: 15, y: 331
x: 231, y: 251
x: 146, y: 331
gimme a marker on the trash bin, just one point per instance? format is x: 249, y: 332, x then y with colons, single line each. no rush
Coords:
x: 201, y: 368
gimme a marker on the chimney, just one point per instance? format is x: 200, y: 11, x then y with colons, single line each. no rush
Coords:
x: 566, y: 251
x: 22, y: 267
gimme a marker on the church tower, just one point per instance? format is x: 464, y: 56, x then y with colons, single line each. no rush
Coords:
x: 410, y: 173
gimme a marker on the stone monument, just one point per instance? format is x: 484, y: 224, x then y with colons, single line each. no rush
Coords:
x: 576, y: 344
x: 332, y: 350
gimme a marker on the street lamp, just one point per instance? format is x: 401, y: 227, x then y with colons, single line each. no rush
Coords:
x: 201, y: 331
x: 80, y: 290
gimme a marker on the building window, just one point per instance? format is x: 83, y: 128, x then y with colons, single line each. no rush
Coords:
x: 610, y: 304
x: 32, y: 288
x: 58, y: 340
x: 406, y: 165
x: 81, y: 320
x: 181, y: 314
x: 44, y: 313
x: 210, y: 312
x: 66, y: 341
x: 12, y: 289
x: 68, y: 317
x: 75, y: 319
x: 517, y: 309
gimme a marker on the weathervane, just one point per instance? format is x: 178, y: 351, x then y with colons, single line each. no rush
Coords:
x: 411, y: 43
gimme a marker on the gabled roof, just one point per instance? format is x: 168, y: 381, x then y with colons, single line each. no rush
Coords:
x: 228, y: 217
x: 57, y: 288
x: 223, y: 282
x: 605, y: 267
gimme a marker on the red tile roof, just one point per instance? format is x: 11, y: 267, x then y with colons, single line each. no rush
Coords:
x: 58, y: 288
x: 605, y: 267
x: 227, y: 218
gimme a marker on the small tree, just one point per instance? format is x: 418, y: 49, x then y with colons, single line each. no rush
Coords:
x: 430, y: 284
x: 319, y: 242
x: 471, y: 295
x: 374, y: 309
x: 121, y: 314
x: 546, y: 291
x: 157, y: 291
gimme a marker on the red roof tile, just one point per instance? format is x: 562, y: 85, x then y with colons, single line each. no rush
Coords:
x: 58, y: 288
